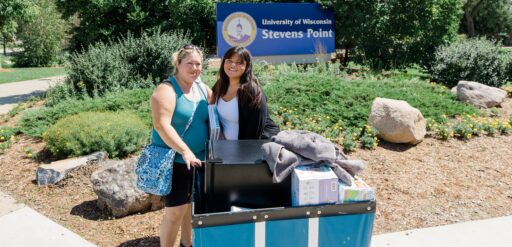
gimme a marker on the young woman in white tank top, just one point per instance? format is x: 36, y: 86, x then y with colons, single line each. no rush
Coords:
x: 241, y: 103
x: 227, y: 105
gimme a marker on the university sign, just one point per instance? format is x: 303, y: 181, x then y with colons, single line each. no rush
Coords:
x: 275, y: 28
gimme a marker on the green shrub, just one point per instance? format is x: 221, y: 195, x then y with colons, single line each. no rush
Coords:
x: 462, y: 130
x: 119, y: 134
x: 504, y: 127
x: 349, y: 142
x: 368, y: 137
x: 509, y: 69
x: 507, y: 55
x: 7, y: 137
x: 60, y: 92
x: 472, y: 59
x: 490, y: 127
x: 469, y: 126
x: 477, y: 128
x: 129, y: 63
x: 43, y: 37
x: 444, y: 131
x: 5, y: 61
x: 34, y: 122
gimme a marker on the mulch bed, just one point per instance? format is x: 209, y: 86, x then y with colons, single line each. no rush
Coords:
x: 433, y: 183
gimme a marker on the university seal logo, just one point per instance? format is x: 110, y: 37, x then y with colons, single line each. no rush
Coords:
x: 239, y: 29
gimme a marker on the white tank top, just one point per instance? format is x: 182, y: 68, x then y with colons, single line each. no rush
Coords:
x: 228, y: 115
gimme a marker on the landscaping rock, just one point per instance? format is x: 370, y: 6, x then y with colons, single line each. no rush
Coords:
x: 56, y: 171
x: 115, y: 186
x: 480, y: 95
x: 397, y: 121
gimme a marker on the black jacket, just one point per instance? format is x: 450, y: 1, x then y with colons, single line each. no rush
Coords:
x: 255, y: 123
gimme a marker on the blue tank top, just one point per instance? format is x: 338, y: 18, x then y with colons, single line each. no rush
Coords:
x: 197, y: 134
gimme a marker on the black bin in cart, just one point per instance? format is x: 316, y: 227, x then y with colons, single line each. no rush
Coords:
x: 236, y: 175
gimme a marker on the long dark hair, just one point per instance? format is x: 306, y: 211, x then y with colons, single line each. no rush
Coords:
x: 249, y: 91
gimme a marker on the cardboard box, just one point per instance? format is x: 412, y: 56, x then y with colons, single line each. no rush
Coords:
x: 314, y: 185
x: 359, y: 191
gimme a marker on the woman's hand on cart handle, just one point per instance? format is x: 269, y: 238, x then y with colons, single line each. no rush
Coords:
x: 190, y: 159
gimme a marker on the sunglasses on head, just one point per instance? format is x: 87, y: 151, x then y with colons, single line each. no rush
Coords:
x: 189, y: 46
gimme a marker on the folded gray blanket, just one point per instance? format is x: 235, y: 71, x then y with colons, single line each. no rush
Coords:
x: 308, y: 144
x: 292, y: 148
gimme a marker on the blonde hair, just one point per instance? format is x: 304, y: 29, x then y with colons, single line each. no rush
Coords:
x: 182, y: 53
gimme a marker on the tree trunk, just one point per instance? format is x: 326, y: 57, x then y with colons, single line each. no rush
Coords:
x: 346, y: 57
x: 5, y: 43
x: 4, y: 53
x: 470, y: 24
x: 471, y: 8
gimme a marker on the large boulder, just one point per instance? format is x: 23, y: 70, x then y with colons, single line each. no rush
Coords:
x: 397, y: 121
x: 480, y: 95
x: 114, y: 184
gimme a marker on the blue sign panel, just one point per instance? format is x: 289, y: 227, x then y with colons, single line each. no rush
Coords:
x: 275, y: 28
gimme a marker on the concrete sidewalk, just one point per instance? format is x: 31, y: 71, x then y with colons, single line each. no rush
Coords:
x: 21, y: 226
x: 16, y: 92
x: 495, y: 232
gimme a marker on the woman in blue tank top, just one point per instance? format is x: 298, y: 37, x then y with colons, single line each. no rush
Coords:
x: 173, y: 102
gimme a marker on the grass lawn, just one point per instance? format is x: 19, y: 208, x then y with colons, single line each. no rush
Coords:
x: 23, y: 74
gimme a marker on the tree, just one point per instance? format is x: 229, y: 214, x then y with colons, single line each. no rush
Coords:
x: 42, y: 37
x: 494, y: 17
x: 418, y: 27
x: 12, y: 11
x: 394, y: 33
x: 106, y: 20
x: 488, y: 17
x: 354, y: 19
